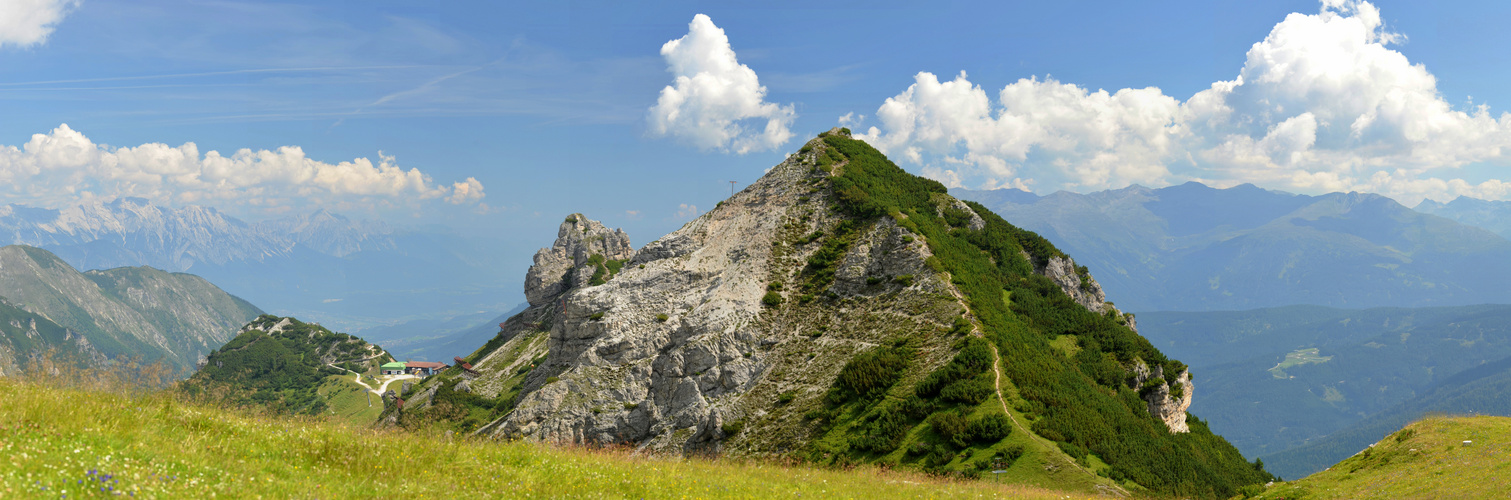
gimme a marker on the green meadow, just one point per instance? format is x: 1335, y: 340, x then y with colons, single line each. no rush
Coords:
x: 64, y: 441
x: 1437, y: 457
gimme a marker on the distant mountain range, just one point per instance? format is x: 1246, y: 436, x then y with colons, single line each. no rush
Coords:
x: 320, y: 265
x: 1193, y: 247
x: 47, y: 305
x: 1492, y: 215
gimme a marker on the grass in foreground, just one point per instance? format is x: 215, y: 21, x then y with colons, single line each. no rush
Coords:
x: 1439, y: 457
x: 62, y: 442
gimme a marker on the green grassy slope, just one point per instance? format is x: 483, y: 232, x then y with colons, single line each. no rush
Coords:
x: 349, y: 401
x: 1463, y: 457
x: 1081, y: 402
x: 86, y: 444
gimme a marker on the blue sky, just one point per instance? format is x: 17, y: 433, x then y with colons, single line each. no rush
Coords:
x: 548, y: 107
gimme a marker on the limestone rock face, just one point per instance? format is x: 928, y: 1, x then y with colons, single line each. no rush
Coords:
x: 577, y: 240
x: 975, y: 223
x: 1168, y: 408
x: 1086, y: 292
x: 679, y: 342
x: 1173, y: 410
x: 623, y: 374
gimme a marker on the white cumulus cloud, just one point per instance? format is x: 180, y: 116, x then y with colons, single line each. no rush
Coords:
x: 24, y: 23
x: 64, y: 167
x: 714, y: 102
x: 1323, y: 103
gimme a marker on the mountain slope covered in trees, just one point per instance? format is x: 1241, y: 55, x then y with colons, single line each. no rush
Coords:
x: 280, y: 363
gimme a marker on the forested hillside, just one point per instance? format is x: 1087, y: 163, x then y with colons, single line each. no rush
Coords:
x: 279, y: 363
x: 1070, y: 365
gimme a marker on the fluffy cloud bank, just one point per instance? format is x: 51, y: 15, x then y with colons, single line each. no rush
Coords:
x: 715, y: 102
x: 24, y: 23
x: 65, y: 167
x: 1322, y: 104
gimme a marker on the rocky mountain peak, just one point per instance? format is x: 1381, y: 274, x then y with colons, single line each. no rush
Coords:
x: 837, y: 310
x: 685, y: 338
x: 582, y: 245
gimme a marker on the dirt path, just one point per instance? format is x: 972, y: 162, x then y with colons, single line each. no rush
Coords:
x: 997, y: 370
x: 386, y: 380
x: 392, y: 379
x: 1101, y: 485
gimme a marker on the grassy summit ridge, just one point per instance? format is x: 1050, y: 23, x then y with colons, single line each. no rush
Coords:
x: 1441, y: 457
x: 1080, y: 401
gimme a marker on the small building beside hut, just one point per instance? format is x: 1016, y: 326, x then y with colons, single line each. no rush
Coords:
x: 394, y: 368
x: 424, y: 368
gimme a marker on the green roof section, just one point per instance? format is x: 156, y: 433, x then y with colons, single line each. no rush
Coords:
x: 393, y: 366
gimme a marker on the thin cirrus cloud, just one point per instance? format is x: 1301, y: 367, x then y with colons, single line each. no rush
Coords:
x: 63, y: 167
x: 714, y: 102
x: 1323, y: 103
x: 24, y: 23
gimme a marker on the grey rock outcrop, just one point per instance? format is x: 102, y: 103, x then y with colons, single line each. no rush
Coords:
x: 1163, y: 405
x: 975, y: 222
x: 560, y: 268
x: 1084, y: 289
x: 679, y: 343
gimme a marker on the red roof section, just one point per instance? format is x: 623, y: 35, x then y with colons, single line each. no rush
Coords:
x: 424, y: 364
x: 465, y: 365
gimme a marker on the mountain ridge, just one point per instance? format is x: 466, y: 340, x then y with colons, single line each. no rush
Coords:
x: 1192, y: 247
x: 142, y: 311
x: 840, y: 311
